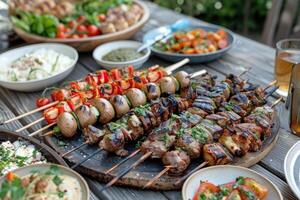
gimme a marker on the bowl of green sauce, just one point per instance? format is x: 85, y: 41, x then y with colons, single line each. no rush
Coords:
x: 120, y: 54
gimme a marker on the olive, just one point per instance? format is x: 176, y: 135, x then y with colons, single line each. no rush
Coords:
x: 136, y: 97
x: 67, y: 124
x: 121, y: 105
x: 107, y: 112
x: 183, y: 79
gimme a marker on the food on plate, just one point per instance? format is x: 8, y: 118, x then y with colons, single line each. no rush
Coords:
x: 36, y: 65
x: 123, y: 55
x: 78, y: 19
x: 78, y: 113
x: 206, y: 121
x: 51, y: 184
x: 18, y: 154
x: 197, y: 41
x: 243, y: 188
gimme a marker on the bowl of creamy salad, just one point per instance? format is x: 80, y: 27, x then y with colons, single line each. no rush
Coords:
x: 35, y: 67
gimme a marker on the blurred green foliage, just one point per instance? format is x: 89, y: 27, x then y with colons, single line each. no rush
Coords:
x: 233, y: 14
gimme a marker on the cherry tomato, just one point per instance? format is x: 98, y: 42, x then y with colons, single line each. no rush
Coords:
x: 102, y: 17
x: 10, y: 176
x: 74, y: 36
x: 72, y: 24
x: 42, y: 101
x: 83, y: 35
x: 93, y: 30
x: 81, y: 29
x: 61, y: 35
x: 81, y: 19
x: 51, y: 114
x: 61, y: 28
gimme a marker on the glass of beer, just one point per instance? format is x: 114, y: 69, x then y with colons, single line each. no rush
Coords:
x: 287, y: 57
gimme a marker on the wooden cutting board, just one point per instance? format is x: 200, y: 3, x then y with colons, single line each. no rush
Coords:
x: 138, y: 177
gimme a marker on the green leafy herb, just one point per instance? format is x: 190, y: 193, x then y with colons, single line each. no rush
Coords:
x: 14, y: 188
x: 199, y: 133
x: 61, y: 194
x: 166, y: 138
x: 229, y: 106
x: 239, y: 181
x: 57, y: 180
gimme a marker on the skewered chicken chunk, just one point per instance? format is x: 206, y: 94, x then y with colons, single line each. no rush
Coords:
x: 158, y: 147
x: 216, y: 154
x: 191, y: 146
x: 93, y: 135
x: 230, y: 144
x: 179, y: 160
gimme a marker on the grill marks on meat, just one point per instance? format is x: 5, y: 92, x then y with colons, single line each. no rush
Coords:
x: 216, y: 154
x: 179, y: 160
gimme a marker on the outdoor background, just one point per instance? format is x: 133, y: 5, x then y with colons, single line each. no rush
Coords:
x: 246, y: 17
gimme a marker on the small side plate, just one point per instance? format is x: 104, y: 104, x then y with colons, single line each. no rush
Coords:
x: 24, y: 171
x: 292, y: 168
x: 223, y: 174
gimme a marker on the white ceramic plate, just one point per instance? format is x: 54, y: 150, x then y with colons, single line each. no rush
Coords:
x: 292, y: 168
x: 223, y: 174
x: 23, y: 171
x: 102, y: 50
x: 35, y: 85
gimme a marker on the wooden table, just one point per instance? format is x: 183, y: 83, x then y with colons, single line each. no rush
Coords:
x: 245, y: 53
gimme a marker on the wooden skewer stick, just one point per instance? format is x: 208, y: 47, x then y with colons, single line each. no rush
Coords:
x: 134, y: 165
x: 87, y: 158
x: 78, y: 147
x: 42, y: 129
x: 270, y: 85
x: 175, y: 66
x: 31, y: 112
x: 198, y: 73
x: 30, y: 124
x: 165, y: 170
x: 276, y: 102
x: 244, y: 72
x: 123, y: 161
x: 190, y: 173
x: 271, y: 92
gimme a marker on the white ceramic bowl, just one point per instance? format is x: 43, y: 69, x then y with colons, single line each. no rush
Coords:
x: 102, y: 50
x: 35, y: 85
x: 24, y: 171
x: 223, y: 174
x: 292, y: 168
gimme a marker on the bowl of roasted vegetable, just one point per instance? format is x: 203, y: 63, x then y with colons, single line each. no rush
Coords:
x: 198, y: 43
x: 228, y: 182
x: 81, y: 24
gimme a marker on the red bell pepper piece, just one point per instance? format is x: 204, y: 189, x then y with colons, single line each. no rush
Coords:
x: 51, y: 114
x: 124, y: 84
x: 74, y: 85
x: 60, y: 94
x: 103, y: 76
x: 63, y: 106
x: 116, y: 89
x: 91, y: 81
x: 115, y: 74
x: 75, y: 101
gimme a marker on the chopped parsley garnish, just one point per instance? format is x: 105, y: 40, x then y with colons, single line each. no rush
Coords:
x: 56, y: 180
x: 199, y: 133
x: 239, y: 181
